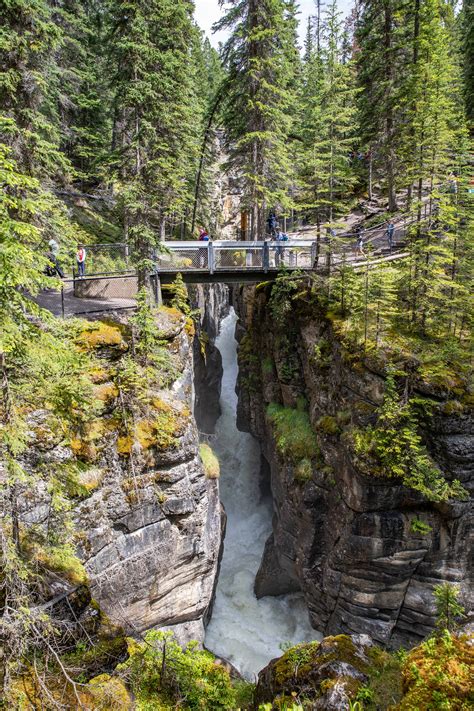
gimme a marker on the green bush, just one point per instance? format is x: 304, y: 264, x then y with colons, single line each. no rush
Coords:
x: 394, y: 449
x: 188, y: 678
x: 419, y: 526
x: 267, y: 366
x: 303, y: 470
x: 294, y: 435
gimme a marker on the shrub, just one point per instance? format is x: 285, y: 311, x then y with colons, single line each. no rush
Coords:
x: 267, y: 366
x: 328, y: 425
x: 419, y: 526
x: 394, y: 449
x: 437, y: 675
x: 294, y: 435
x: 161, y: 666
x: 448, y: 608
x: 210, y: 462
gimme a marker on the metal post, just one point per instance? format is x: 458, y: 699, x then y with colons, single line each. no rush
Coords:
x: 62, y: 301
x: 266, y: 256
x: 158, y: 294
x: 210, y: 256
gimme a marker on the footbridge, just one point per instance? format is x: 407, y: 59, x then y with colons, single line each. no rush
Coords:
x: 232, y: 261
x: 110, y: 281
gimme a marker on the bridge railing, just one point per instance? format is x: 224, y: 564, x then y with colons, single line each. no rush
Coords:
x: 235, y: 256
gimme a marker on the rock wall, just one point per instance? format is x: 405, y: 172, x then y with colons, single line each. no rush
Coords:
x: 346, y: 540
x: 212, y: 301
x: 149, y: 530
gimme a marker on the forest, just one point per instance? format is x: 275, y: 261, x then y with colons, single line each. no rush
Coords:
x: 119, y: 124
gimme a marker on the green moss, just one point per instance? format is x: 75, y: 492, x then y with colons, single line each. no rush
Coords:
x: 438, y: 675
x: 295, y: 662
x: 328, y: 425
x: 210, y: 461
x: 100, y: 334
x: 108, y: 693
x: 294, y: 435
x: 303, y: 471
x: 62, y: 560
x: 267, y: 366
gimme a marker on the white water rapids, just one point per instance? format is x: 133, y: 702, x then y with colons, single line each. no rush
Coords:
x: 246, y: 631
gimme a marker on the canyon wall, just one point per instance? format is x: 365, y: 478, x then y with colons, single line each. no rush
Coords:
x: 148, y: 519
x: 366, y: 551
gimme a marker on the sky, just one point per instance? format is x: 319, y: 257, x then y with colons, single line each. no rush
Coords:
x: 208, y: 11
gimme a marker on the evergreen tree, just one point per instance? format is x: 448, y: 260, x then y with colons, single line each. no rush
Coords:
x: 327, y: 124
x: 261, y: 59
x: 29, y: 40
x: 82, y: 95
x: 468, y: 47
x: 154, y: 105
x: 377, y: 69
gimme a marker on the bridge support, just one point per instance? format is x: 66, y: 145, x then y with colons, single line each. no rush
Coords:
x: 157, y: 290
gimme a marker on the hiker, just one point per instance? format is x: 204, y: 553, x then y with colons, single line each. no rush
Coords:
x: 53, y: 258
x: 81, y: 262
x: 280, y: 252
x: 360, y: 239
x: 272, y: 224
x: 390, y: 234
x: 203, y: 253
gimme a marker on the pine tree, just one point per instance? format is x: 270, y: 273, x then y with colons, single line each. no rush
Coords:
x: 379, y: 26
x: 155, y: 136
x: 261, y: 59
x: 467, y: 19
x: 29, y: 39
x: 327, y: 134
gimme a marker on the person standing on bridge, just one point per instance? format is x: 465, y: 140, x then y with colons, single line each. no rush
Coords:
x: 203, y: 253
x: 272, y: 225
x: 390, y: 234
x: 81, y: 261
x: 280, y: 252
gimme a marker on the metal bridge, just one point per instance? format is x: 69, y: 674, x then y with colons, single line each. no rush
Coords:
x: 225, y: 261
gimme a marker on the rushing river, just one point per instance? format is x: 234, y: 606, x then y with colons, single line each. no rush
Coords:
x: 246, y: 631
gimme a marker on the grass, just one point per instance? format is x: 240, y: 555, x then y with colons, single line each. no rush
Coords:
x: 294, y: 435
x: 210, y: 462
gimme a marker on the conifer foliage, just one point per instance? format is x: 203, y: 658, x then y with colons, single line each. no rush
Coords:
x: 261, y: 59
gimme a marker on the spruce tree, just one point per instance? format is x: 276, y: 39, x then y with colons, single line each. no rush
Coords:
x: 261, y: 59
x: 379, y: 63
x: 467, y: 19
x: 327, y: 120
x: 154, y: 105
x: 30, y: 39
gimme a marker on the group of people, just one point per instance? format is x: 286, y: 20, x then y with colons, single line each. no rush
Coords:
x: 54, y: 268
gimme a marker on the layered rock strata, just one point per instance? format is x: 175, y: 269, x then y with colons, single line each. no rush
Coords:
x: 212, y: 302
x: 149, y: 525
x: 365, y: 551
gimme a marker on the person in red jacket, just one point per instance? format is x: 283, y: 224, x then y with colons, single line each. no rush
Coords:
x: 81, y: 261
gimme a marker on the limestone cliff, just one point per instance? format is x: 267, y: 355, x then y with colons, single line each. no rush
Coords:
x: 212, y: 303
x: 147, y: 518
x: 366, y: 551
